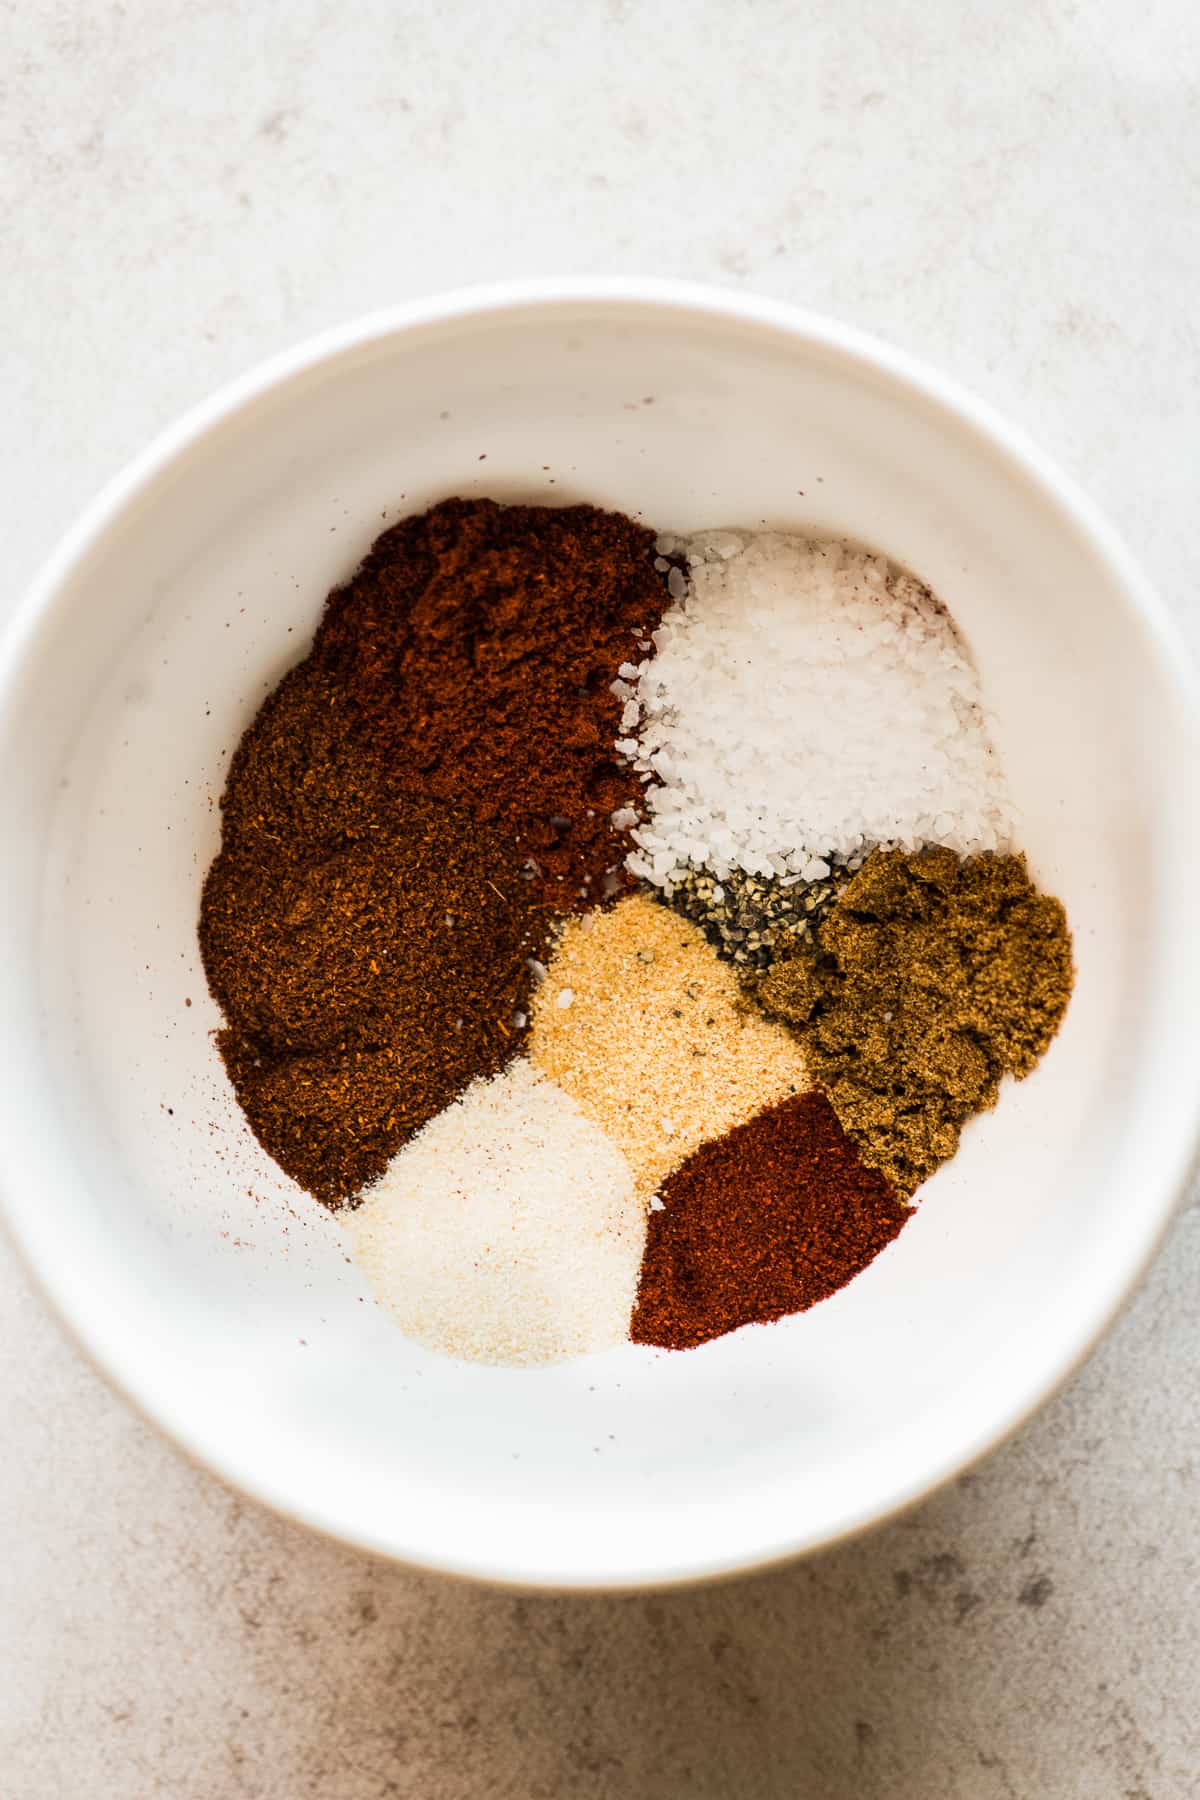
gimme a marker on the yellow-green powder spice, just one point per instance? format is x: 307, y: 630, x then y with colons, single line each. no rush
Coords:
x: 932, y: 978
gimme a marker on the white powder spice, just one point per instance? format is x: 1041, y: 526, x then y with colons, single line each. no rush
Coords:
x: 806, y: 698
x: 507, y: 1230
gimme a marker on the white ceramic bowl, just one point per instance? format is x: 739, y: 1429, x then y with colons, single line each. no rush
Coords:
x: 218, y: 1297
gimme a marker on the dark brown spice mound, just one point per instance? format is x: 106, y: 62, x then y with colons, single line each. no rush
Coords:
x: 771, y: 1218
x: 934, y: 978
x: 367, y: 947
x: 479, y: 644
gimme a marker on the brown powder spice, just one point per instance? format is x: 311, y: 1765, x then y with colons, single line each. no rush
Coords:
x: 369, y: 949
x: 934, y: 977
x: 478, y: 644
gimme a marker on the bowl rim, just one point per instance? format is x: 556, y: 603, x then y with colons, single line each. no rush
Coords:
x: 716, y: 306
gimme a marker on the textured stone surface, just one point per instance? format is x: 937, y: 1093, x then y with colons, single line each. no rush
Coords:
x: 1008, y: 191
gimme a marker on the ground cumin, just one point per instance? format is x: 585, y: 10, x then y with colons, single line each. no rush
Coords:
x: 478, y: 645
x: 767, y: 1220
x: 934, y: 977
x: 367, y: 947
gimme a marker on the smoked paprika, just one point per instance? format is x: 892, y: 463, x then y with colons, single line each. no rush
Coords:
x: 478, y: 645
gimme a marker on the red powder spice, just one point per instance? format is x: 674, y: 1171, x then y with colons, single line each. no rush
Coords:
x: 765, y: 1221
x: 478, y: 644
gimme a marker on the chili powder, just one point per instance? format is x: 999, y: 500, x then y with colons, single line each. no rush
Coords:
x: 368, y: 948
x: 767, y: 1220
x: 478, y: 645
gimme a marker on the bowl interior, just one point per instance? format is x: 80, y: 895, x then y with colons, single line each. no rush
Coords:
x: 222, y: 1298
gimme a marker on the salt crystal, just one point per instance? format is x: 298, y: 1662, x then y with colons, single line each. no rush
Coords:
x: 806, y: 699
x: 565, y: 998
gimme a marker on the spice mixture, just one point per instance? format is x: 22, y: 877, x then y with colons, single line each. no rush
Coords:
x: 558, y: 1114
x: 933, y: 978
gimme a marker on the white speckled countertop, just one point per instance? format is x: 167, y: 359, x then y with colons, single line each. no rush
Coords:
x: 1009, y: 191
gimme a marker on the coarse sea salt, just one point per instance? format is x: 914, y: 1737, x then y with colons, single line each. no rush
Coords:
x: 806, y: 698
x: 507, y: 1230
